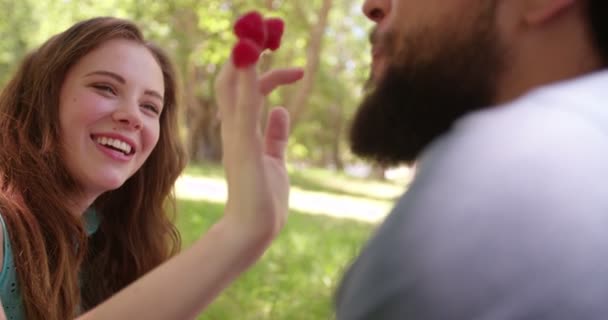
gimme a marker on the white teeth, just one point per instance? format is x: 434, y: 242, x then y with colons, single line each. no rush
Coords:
x: 120, y: 145
x: 126, y: 147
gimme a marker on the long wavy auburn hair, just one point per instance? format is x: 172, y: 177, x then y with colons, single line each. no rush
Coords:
x: 61, y: 270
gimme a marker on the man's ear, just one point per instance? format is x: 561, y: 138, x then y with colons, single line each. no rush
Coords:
x: 541, y: 11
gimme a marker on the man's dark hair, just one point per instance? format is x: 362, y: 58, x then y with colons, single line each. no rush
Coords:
x: 598, y: 16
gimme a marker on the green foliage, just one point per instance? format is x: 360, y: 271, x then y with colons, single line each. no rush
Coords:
x: 296, y: 278
x: 198, y: 35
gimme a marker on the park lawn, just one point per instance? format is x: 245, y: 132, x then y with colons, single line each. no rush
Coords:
x: 298, y: 275
x: 322, y: 180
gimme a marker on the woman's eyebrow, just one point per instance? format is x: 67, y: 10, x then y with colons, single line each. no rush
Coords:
x: 110, y: 74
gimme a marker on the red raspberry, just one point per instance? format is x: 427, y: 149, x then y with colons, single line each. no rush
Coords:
x: 251, y: 26
x: 274, y: 31
x: 245, y: 53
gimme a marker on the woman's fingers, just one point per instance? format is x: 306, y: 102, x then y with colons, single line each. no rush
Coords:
x: 277, y: 133
x: 252, y: 89
x: 278, y: 77
x: 225, y: 89
x: 240, y: 95
x: 249, y: 101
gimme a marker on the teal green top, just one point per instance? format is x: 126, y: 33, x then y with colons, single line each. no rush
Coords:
x: 9, y: 286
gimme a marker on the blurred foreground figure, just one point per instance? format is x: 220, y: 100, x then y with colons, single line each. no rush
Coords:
x: 503, y: 105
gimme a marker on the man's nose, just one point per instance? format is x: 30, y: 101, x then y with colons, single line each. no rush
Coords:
x: 377, y: 10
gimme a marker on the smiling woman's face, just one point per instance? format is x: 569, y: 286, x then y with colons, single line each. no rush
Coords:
x: 109, y: 112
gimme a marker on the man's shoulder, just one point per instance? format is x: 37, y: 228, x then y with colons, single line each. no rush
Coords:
x: 564, y: 121
x: 571, y: 106
x: 496, y: 203
x: 548, y: 144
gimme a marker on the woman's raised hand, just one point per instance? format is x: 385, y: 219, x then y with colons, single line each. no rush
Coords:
x: 254, y: 159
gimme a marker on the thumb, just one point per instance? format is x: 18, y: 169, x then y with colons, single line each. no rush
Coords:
x: 277, y: 132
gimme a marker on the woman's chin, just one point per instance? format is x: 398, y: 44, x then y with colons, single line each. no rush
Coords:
x: 109, y: 183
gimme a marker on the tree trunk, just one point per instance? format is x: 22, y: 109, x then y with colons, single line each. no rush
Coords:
x: 337, y: 120
x: 378, y: 172
x: 204, y: 142
x: 297, y: 105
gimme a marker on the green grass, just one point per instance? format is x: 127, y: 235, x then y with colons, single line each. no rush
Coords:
x: 321, y: 180
x: 297, y: 276
x: 211, y: 170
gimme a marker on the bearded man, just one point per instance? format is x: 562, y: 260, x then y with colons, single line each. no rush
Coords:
x: 503, y: 106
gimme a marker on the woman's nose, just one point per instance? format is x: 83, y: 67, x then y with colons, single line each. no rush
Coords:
x: 128, y: 116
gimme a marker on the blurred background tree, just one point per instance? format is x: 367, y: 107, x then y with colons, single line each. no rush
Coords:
x: 326, y: 37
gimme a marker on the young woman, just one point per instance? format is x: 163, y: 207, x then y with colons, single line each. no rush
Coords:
x: 89, y: 156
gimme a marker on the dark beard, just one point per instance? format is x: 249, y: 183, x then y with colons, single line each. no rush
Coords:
x: 425, y: 90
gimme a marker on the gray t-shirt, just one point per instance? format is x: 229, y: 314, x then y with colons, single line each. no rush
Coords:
x: 507, y: 218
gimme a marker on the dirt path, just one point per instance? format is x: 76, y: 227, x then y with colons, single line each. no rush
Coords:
x: 214, y: 190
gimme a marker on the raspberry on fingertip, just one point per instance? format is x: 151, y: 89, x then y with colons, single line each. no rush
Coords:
x: 245, y: 53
